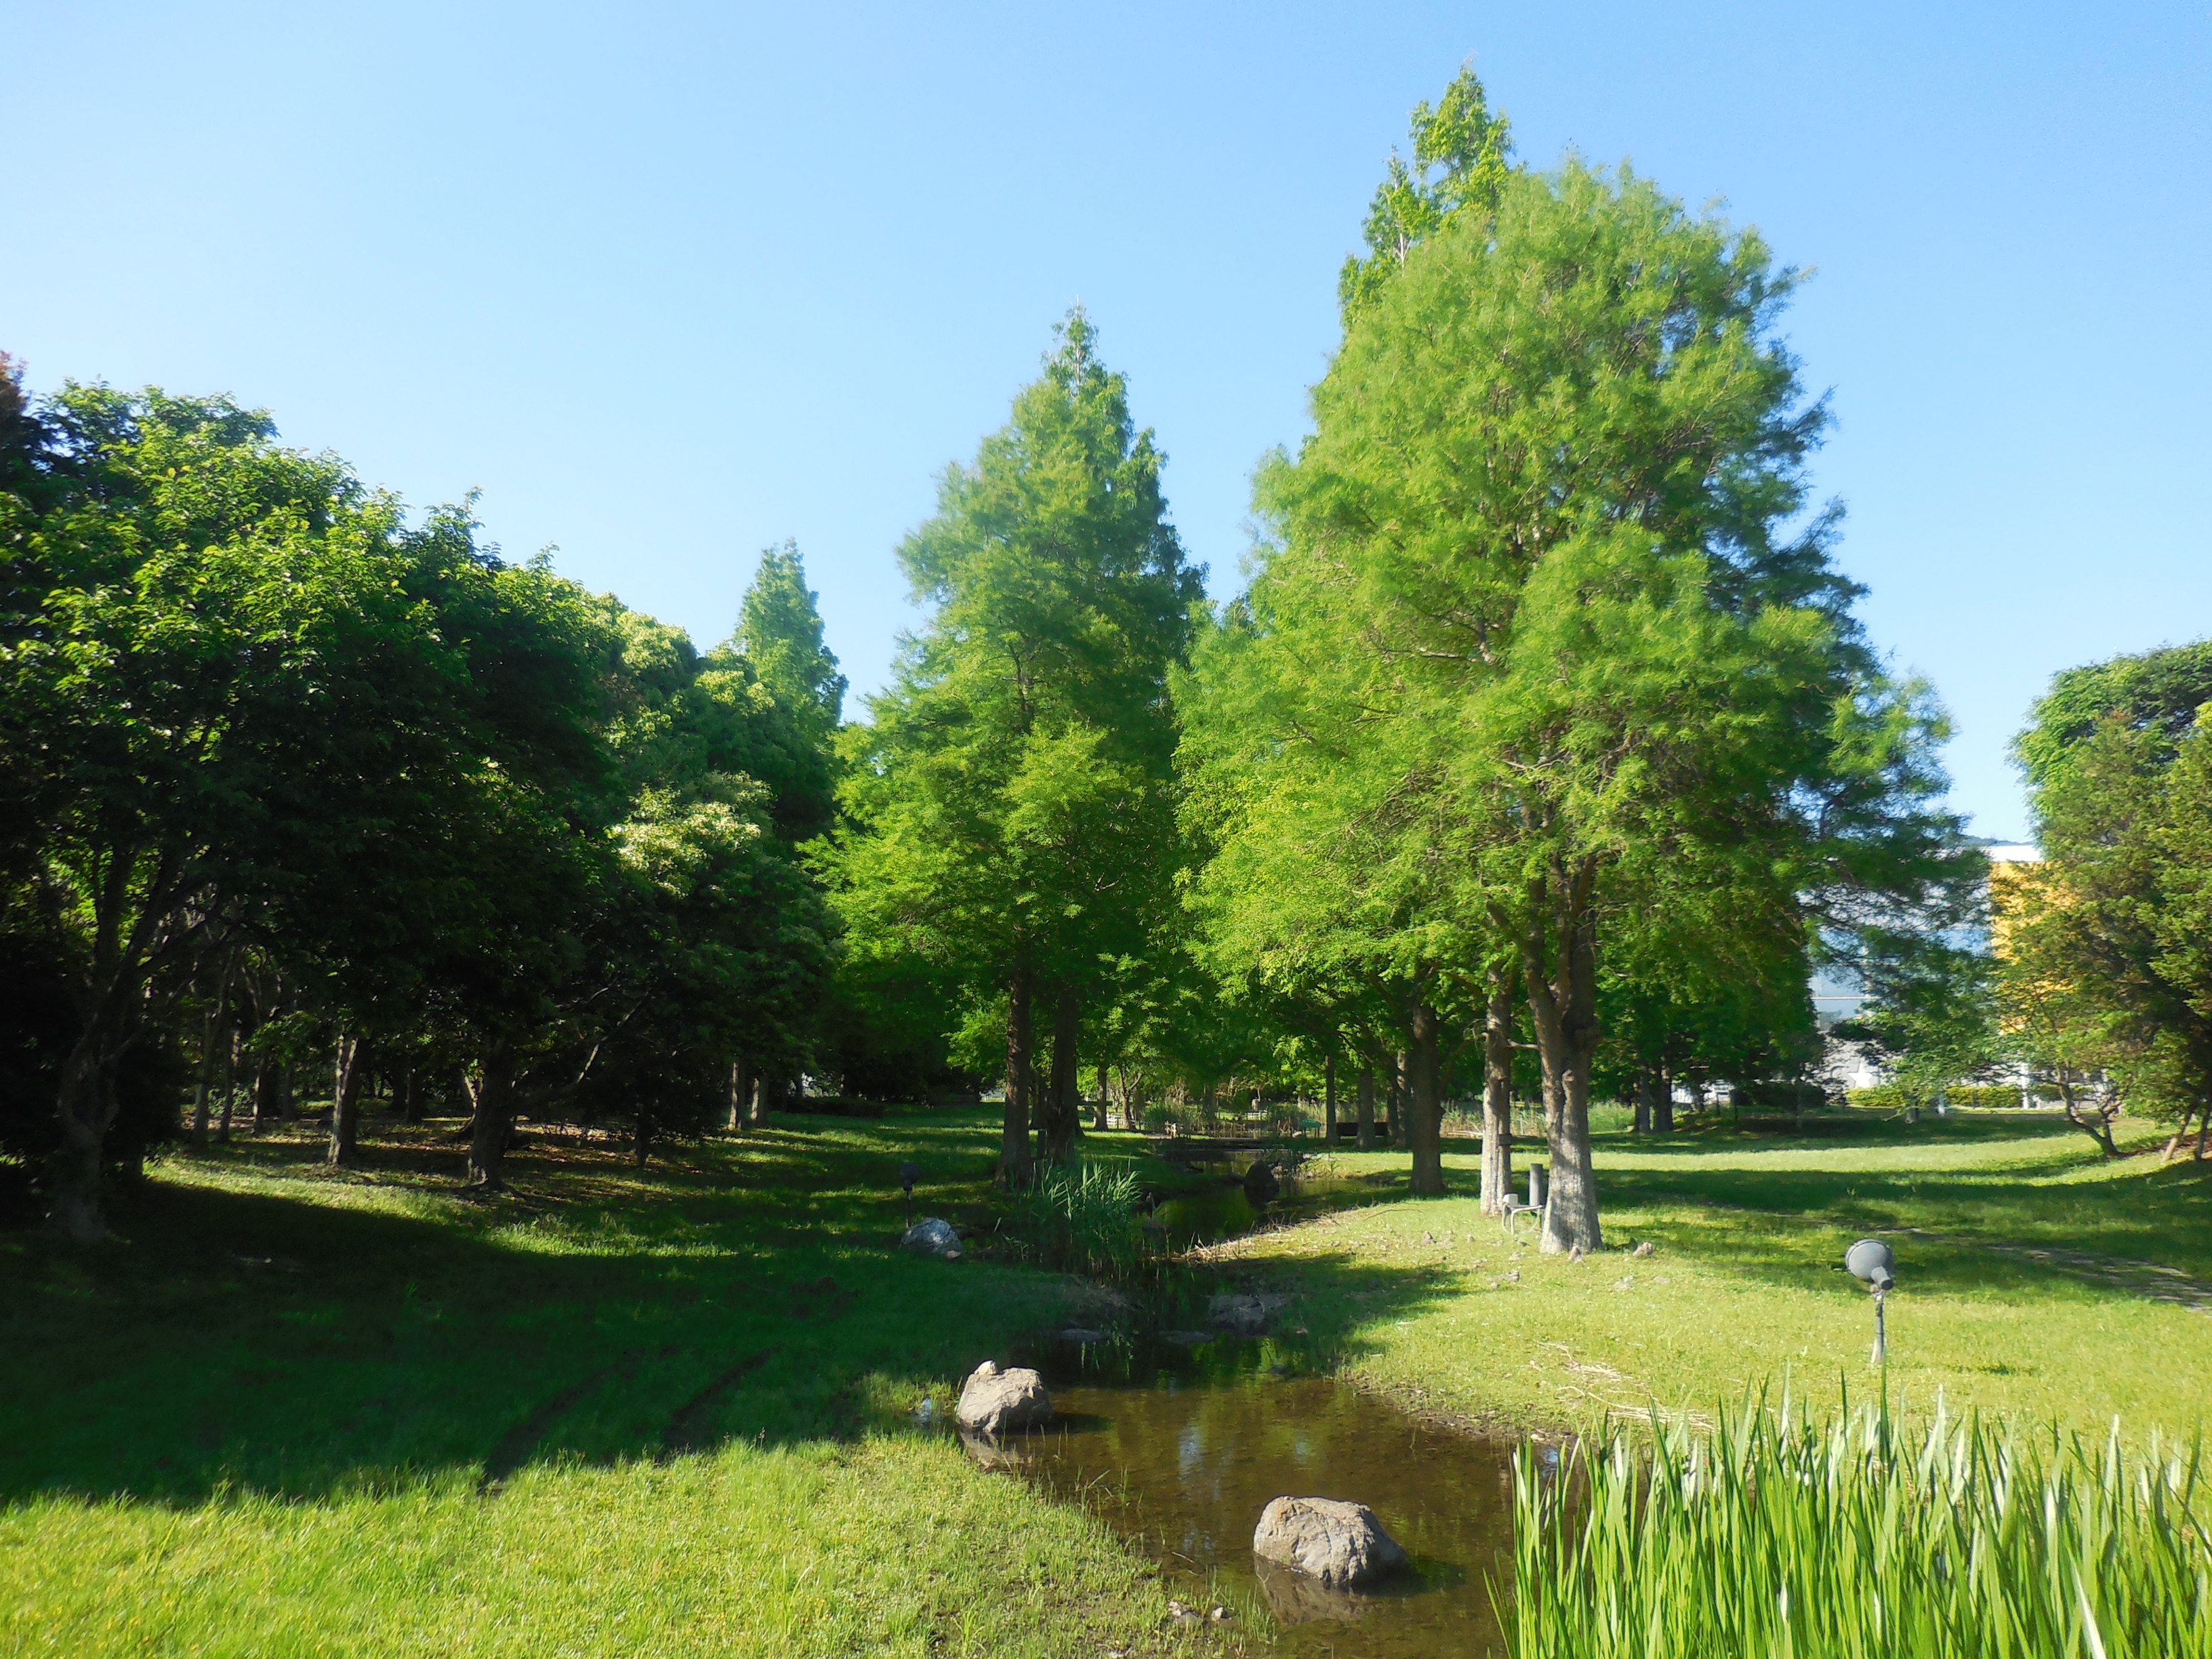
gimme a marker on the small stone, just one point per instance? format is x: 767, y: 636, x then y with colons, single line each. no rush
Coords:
x: 1187, y: 1339
x: 1178, y: 1610
x: 1575, y: 1254
x: 1082, y: 1333
x: 1514, y: 1277
x: 1624, y: 1282
x: 1244, y: 1315
x: 1428, y: 1238
x: 1219, y: 1615
x: 932, y: 1236
x: 993, y: 1402
x: 1340, y: 1543
x: 1643, y: 1249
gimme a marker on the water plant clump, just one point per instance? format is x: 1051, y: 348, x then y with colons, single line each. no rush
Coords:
x: 1786, y: 1535
x: 1082, y: 1218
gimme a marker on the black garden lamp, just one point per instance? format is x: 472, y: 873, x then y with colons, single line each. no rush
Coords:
x: 1873, y: 1264
x: 908, y: 1174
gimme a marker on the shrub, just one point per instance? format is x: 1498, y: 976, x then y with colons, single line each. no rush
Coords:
x: 1887, y: 1097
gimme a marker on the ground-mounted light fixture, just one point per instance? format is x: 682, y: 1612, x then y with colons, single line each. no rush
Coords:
x: 908, y: 1174
x: 1875, y: 1265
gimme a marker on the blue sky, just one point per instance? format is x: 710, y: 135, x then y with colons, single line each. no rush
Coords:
x: 668, y: 283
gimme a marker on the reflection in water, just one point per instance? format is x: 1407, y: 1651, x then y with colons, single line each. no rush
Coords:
x: 1187, y: 1465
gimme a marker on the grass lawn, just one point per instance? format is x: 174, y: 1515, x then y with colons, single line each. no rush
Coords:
x: 1744, y: 1282
x: 290, y: 1411
x: 294, y: 1412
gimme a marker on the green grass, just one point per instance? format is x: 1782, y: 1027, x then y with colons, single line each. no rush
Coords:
x: 288, y: 1411
x: 1431, y: 1302
x: 1775, y: 1535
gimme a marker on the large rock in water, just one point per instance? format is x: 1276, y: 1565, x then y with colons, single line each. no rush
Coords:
x: 933, y: 1236
x: 995, y: 1402
x: 1341, y: 1544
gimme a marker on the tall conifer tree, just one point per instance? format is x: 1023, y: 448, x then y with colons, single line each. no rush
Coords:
x: 1009, y: 801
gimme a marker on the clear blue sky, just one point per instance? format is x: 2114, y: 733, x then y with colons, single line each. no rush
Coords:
x: 668, y: 283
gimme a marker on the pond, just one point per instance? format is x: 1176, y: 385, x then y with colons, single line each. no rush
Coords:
x: 1181, y: 1446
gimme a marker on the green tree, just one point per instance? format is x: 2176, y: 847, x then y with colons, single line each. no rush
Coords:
x: 1540, y: 576
x: 779, y: 635
x: 2105, y: 977
x: 1460, y: 162
x: 1011, y: 799
x: 218, y: 673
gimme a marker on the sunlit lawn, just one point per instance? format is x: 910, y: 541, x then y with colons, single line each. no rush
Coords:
x: 1744, y: 1286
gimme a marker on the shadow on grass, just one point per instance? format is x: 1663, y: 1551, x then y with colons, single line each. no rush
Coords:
x: 1763, y: 1216
x: 261, y: 1324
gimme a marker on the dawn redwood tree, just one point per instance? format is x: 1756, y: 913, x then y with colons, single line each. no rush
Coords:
x: 1552, y: 505
x: 1011, y: 799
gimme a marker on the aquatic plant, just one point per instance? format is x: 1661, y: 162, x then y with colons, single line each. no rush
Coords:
x: 1082, y: 1217
x: 1788, y: 1536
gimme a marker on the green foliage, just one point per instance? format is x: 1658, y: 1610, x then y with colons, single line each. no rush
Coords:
x: 2156, y: 693
x: 1544, y: 666
x: 1783, y: 1533
x: 1081, y: 1216
x: 1460, y: 152
x: 2107, y: 975
x: 456, y: 810
x: 1931, y: 1019
x: 1895, y: 1097
x: 1010, y: 818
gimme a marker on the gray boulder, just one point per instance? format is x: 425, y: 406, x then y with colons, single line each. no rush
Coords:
x: 1244, y: 1316
x: 993, y: 1402
x: 933, y: 1236
x: 1340, y: 1543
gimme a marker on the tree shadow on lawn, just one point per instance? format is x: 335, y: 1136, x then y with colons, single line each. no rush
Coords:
x: 249, y: 1332
x: 2141, y: 1210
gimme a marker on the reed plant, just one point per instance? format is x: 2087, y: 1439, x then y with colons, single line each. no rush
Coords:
x: 1780, y: 1535
x: 1082, y: 1218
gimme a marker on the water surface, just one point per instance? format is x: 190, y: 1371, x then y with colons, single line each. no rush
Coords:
x: 1184, y: 1459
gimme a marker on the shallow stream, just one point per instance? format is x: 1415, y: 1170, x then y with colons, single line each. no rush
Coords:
x: 1180, y: 1447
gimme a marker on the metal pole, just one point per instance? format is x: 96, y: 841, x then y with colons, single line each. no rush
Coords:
x: 1881, y: 1340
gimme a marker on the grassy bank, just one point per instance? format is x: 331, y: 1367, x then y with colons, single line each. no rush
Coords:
x: 291, y: 1411
x: 1430, y: 1301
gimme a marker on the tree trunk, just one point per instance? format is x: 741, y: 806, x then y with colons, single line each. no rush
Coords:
x: 213, y: 1022
x: 345, y: 1100
x: 1564, y: 1007
x: 1062, y: 1114
x: 1098, y: 1107
x: 229, y: 1084
x: 410, y: 1094
x: 741, y: 1092
x: 1398, y: 1099
x: 1328, y: 1100
x: 86, y: 1105
x: 1021, y: 1073
x: 1497, y: 1093
x: 493, y: 1118
x: 641, y: 1143
x: 1647, y: 1098
x: 1366, y: 1109
x: 264, y: 1090
x: 1662, y: 1109
x: 1426, y: 1108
